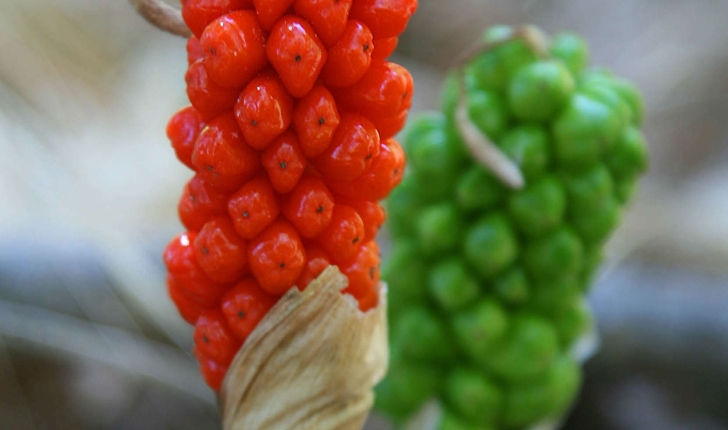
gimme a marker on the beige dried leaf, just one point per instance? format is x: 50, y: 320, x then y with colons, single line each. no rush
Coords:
x: 311, y: 363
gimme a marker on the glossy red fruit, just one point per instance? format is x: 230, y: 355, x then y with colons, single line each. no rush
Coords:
x: 372, y: 214
x: 344, y: 234
x: 379, y: 179
x: 194, y: 50
x: 188, y: 307
x: 220, y: 251
x: 213, y: 337
x: 309, y: 206
x: 389, y: 127
x: 212, y: 372
x: 383, y: 92
x: 284, y: 162
x: 363, y: 274
x: 317, y: 261
x: 349, y: 58
x: 182, y: 131
x: 222, y: 156
x: 315, y: 119
x: 353, y: 147
x: 244, y: 306
x: 383, y: 48
x: 276, y: 257
x: 269, y: 11
x: 386, y: 18
x: 253, y: 207
x: 263, y: 111
x: 328, y: 17
x: 296, y: 53
x: 199, y: 13
x: 200, y: 202
x: 234, y: 48
x: 184, y: 273
x: 209, y: 98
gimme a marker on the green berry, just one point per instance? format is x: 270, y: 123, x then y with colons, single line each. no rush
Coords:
x: 488, y: 111
x: 421, y: 335
x: 406, y: 275
x: 491, y: 245
x: 480, y: 328
x: 527, y: 146
x: 493, y: 69
x: 593, y: 258
x: 629, y: 157
x: 408, y: 386
x: 539, y: 91
x: 595, y: 228
x: 550, y: 297
x: 451, y: 284
x: 575, y: 321
x: 584, y: 131
x: 539, y: 208
x: 530, y: 347
x: 403, y: 205
x: 473, y: 396
x: 439, y: 228
x: 451, y: 421
x: 625, y: 189
x: 588, y: 189
x: 572, y: 50
x: 478, y: 189
x: 557, y: 255
x: 512, y: 286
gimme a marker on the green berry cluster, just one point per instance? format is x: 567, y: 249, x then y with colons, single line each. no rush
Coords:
x: 487, y: 283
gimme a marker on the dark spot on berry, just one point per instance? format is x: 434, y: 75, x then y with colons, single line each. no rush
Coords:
x: 366, y: 47
x: 297, y: 58
x: 356, y: 240
x: 368, y: 157
x: 372, y: 271
x: 209, y: 168
x: 283, y: 165
x: 205, y: 338
x: 281, y: 265
x: 404, y: 96
x: 241, y: 314
x: 213, y: 51
x: 254, y: 123
x: 192, y: 197
x: 205, y: 251
x: 322, y: 121
x: 246, y: 214
x: 396, y: 172
x: 320, y: 209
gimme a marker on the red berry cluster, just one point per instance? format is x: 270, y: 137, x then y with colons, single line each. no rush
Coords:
x: 294, y: 107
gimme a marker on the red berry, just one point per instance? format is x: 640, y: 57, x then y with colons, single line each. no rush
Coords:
x: 350, y: 57
x: 353, y: 147
x: 199, y: 13
x: 344, y: 234
x: 234, y: 47
x: 362, y: 272
x: 371, y: 213
x: 383, y: 48
x: 328, y: 17
x: 244, y: 306
x: 253, y: 207
x: 212, y: 372
x: 317, y: 262
x: 276, y: 257
x: 296, y: 53
x: 186, y: 274
x: 188, y: 307
x: 315, y: 119
x: 213, y: 337
x: 209, y: 98
x: 284, y: 161
x: 194, y: 50
x: 383, y: 92
x: 263, y: 110
x: 269, y: 11
x: 382, y: 176
x: 220, y: 252
x: 182, y: 131
x: 386, y: 18
x: 221, y: 155
x: 309, y: 206
x: 200, y: 202
x: 389, y: 127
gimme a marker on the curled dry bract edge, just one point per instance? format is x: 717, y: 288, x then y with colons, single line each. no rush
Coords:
x: 311, y: 363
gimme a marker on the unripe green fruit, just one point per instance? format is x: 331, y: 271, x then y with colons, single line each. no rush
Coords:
x: 539, y: 208
x: 512, y: 286
x: 478, y: 189
x: 406, y: 274
x: 539, y: 91
x: 556, y: 256
x: 571, y: 50
x: 422, y: 335
x: 451, y: 285
x: 491, y: 245
x: 528, y: 146
x: 473, y: 396
x: 480, y: 328
x: 439, y: 228
x: 488, y: 111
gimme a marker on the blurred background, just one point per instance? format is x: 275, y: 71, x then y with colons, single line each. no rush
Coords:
x: 89, y: 187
